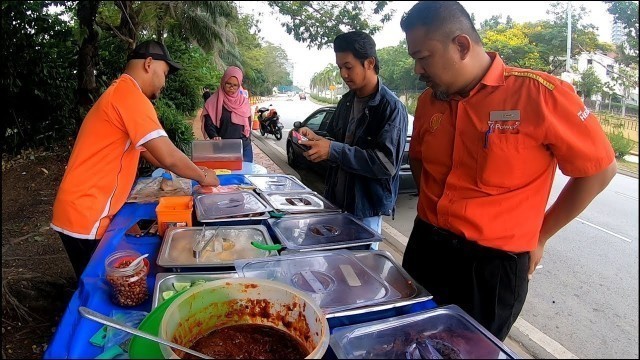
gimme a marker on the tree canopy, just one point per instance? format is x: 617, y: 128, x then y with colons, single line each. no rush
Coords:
x: 317, y: 23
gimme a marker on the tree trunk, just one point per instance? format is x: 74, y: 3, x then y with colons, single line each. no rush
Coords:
x: 129, y: 24
x: 87, y: 58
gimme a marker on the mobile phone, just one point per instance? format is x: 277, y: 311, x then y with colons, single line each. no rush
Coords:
x: 143, y: 227
x: 296, y: 137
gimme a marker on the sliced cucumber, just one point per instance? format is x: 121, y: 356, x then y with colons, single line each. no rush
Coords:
x: 181, y: 286
x: 168, y: 294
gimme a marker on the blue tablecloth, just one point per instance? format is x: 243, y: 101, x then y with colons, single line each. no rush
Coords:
x: 71, y: 339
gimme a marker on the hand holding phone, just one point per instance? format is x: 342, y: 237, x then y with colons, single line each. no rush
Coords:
x: 296, y: 137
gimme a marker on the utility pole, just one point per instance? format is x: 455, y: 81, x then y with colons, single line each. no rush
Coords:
x: 569, y: 36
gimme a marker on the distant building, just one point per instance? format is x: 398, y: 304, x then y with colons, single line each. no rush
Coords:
x: 605, y: 67
x: 617, y: 33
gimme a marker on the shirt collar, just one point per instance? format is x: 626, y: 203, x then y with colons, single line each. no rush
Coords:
x: 495, y: 75
x: 134, y: 80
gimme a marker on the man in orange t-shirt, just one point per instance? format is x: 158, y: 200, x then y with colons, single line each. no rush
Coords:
x: 486, y: 142
x: 121, y: 126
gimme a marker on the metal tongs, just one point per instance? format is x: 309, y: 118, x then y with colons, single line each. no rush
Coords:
x: 203, y: 242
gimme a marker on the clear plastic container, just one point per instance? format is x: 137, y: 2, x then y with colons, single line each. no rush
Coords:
x: 128, y: 285
x: 322, y: 231
x: 217, y: 154
x: 445, y: 332
x: 335, y: 280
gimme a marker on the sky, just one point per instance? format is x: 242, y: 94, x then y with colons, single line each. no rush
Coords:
x: 306, y: 62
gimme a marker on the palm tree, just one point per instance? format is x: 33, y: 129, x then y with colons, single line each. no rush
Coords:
x: 206, y: 23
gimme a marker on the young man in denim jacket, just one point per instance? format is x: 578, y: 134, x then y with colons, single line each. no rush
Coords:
x: 368, y: 132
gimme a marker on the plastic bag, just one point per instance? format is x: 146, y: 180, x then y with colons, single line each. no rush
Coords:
x: 117, y: 337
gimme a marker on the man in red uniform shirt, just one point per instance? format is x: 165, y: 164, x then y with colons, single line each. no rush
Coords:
x: 486, y: 142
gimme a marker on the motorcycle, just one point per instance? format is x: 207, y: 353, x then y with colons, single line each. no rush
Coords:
x: 270, y: 122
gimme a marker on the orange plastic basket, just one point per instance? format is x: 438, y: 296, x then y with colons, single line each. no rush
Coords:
x: 174, y: 210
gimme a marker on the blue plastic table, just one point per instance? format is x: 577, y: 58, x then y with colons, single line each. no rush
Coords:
x: 71, y: 339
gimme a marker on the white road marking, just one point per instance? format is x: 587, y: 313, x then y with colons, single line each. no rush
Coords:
x: 550, y: 345
x: 605, y: 230
x: 395, y: 233
x: 626, y: 195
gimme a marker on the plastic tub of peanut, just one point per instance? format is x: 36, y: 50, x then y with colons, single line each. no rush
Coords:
x: 128, y: 285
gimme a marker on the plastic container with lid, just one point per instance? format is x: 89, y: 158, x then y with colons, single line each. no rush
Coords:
x: 299, y: 202
x: 322, y: 231
x: 276, y: 182
x: 217, y: 154
x: 214, y: 207
x: 445, y: 332
x: 174, y: 210
x: 128, y: 285
x: 336, y: 280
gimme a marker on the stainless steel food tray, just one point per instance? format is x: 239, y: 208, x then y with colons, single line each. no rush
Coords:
x: 230, y: 206
x: 165, y: 281
x: 298, y: 202
x: 176, y: 251
x: 276, y: 182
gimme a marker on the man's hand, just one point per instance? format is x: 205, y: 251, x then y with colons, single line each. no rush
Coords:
x: 210, y: 178
x: 309, y: 134
x: 535, y: 258
x: 217, y: 138
x: 319, y: 148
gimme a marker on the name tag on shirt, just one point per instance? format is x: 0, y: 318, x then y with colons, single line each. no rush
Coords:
x: 504, y: 122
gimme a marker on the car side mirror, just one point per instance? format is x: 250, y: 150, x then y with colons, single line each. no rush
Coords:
x: 297, y: 124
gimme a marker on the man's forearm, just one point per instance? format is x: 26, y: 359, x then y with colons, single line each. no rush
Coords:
x: 574, y: 198
x: 148, y: 157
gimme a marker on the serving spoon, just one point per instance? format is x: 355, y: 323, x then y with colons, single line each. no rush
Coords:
x: 105, y: 320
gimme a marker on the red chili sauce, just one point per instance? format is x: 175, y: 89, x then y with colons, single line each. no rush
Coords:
x: 249, y: 341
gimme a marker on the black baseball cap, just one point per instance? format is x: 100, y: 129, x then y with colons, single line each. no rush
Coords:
x: 155, y: 50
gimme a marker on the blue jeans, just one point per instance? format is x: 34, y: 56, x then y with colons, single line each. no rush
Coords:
x: 375, y: 224
x: 247, y: 151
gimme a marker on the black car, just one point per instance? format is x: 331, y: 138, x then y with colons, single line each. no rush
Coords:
x: 317, y: 122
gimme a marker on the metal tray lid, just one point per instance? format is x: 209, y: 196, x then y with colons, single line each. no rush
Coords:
x: 276, y: 182
x: 336, y: 280
x: 296, y: 202
x: 445, y: 329
x: 322, y: 230
x: 224, y: 205
x: 233, y: 243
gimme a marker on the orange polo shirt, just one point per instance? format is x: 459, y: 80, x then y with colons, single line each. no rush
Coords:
x: 104, y: 160
x: 488, y: 160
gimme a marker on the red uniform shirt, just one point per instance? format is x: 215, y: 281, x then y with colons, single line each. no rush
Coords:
x: 488, y: 160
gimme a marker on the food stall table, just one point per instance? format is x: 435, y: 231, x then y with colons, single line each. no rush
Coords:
x: 73, y: 333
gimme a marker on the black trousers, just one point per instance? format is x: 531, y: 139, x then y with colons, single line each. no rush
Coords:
x: 79, y: 251
x: 490, y: 285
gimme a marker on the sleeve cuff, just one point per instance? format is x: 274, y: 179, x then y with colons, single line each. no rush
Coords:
x: 150, y: 136
x: 335, y: 148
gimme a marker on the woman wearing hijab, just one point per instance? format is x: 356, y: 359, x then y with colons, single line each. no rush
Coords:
x: 227, y: 113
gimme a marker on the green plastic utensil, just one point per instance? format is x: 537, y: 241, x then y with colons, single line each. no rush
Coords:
x: 274, y: 247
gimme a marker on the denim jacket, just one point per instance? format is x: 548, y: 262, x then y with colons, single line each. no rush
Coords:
x: 373, y: 162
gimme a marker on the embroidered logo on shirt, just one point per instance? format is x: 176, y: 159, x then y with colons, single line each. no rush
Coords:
x: 584, y: 114
x: 435, y: 122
